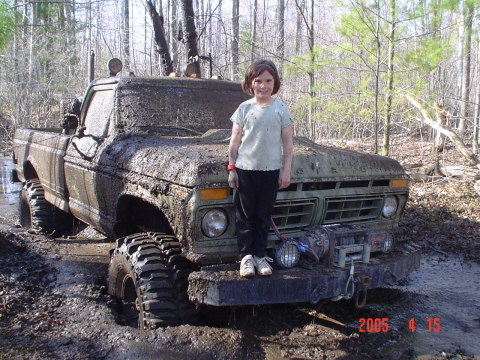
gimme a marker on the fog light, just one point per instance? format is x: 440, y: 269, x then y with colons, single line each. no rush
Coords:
x: 288, y: 254
x: 388, y: 244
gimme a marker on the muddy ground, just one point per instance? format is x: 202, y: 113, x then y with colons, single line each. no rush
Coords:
x: 54, y: 303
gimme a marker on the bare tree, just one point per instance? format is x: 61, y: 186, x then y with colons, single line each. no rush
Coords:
x: 174, y: 32
x: 299, y: 21
x: 162, y: 46
x: 254, y: 31
x: 235, y: 36
x: 476, y: 118
x: 281, y: 34
x: 468, y: 10
x: 125, y: 24
x: 390, y: 75
x: 447, y: 131
x: 191, y: 36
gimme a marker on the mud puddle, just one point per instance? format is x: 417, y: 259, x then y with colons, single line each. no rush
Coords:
x: 436, y: 310
x: 9, y: 193
x: 445, y: 290
x: 448, y: 316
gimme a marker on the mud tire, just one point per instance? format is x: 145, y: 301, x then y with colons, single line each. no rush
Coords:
x: 147, y: 276
x: 37, y: 213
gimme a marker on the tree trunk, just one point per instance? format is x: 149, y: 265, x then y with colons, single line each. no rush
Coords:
x: 218, y: 37
x: 468, y: 19
x: 162, y: 46
x: 460, y: 44
x: 281, y: 34
x: 31, y: 65
x: 234, y: 41
x: 377, y: 72
x: 125, y: 16
x: 447, y: 131
x: 441, y: 116
x: 71, y: 35
x: 191, y: 37
x: 476, y: 118
x: 174, y: 32
x: 390, y: 75
x: 210, y: 27
x: 311, y: 74
x: 298, y: 33
x: 254, y: 30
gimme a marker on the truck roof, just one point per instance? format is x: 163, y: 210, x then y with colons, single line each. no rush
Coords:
x: 150, y: 103
x: 169, y: 82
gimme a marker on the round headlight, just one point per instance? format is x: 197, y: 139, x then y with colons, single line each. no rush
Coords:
x: 390, y: 206
x: 214, y: 223
x: 288, y: 254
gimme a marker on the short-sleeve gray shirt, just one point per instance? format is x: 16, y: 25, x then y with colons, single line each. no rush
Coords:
x: 261, y: 147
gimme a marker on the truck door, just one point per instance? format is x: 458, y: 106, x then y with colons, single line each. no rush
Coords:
x: 84, y: 150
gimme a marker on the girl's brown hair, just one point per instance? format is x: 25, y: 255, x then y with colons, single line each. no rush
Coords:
x: 255, y: 70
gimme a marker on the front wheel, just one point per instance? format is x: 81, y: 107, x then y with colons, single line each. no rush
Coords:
x: 148, y: 278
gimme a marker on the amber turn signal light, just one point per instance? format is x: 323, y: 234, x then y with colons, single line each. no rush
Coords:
x: 399, y: 183
x: 214, y: 194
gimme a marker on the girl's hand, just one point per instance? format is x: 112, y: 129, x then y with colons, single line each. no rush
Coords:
x: 233, y: 179
x: 284, y: 179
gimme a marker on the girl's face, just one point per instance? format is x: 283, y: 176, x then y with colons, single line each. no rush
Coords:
x: 263, y: 85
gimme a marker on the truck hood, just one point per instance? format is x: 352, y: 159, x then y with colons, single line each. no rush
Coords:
x: 201, y: 161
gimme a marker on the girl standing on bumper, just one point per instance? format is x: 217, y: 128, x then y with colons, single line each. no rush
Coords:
x: 262, y: 128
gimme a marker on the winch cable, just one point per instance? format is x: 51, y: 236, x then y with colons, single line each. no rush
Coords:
x: 350, y: 284
x: 299, y: 243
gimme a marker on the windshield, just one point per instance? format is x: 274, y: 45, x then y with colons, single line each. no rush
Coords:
x: 176, y: 105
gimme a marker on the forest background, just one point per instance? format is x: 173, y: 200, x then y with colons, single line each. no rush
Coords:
x: 352, y: 70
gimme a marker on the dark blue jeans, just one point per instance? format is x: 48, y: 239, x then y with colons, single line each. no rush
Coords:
x: 253, y: 205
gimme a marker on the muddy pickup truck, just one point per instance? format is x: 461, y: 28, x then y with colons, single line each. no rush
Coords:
x: 146, y: 166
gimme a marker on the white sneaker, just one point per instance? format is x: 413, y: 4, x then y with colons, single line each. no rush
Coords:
x: 263, y: 266
x: 247, y: 266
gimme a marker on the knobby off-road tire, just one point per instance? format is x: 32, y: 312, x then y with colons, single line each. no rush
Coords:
x: 148, y: 278
x: 38, y: 213
x: 35, y: 211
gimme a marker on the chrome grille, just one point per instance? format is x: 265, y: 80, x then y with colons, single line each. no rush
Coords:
x: 344, y: 209
x: 293, y: 214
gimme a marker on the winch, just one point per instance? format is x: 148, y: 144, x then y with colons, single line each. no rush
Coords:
x: 338, y: 245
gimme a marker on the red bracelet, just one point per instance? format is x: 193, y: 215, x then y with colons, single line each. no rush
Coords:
x: 231, y: 167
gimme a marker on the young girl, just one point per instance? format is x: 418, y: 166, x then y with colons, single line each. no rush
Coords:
x: 262, y: 127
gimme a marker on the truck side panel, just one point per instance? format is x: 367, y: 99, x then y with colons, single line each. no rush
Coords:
x: 44, y: 151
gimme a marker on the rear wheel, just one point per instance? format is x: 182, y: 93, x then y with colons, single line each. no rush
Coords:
x: 148, y: 278
x: 35, y: 211
x: 38, y: 213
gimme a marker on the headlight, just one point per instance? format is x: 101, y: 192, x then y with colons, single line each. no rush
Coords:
x: 288, y: 254
x: 390, y: 206
x: 214, y: 223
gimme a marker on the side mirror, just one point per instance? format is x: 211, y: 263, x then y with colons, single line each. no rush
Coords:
x: 69, y: 122
x: 71, y: 114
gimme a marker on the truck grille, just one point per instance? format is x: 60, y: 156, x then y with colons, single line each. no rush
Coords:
x: 293, y: 214
x: 344, y: 209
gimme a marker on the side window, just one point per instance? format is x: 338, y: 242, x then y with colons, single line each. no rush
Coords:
x: 99, y: 113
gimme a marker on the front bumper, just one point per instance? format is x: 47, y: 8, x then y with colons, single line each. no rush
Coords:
x: 221, y: 285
